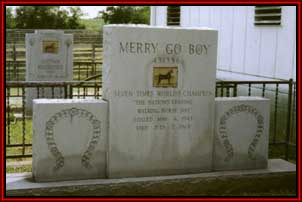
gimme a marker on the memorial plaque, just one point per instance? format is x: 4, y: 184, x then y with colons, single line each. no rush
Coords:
x: 160, y: 83
x: 165, y: 77
x: 49, y: 57
x: 69, y: 139
x: 241, y: 133
x: 50, y: 47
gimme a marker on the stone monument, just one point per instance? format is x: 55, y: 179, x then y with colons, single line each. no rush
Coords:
x: 69, y: 139
x: 241, y: 133
x: 160, y: 83
x: 160, y: 117
x: 49, y: 57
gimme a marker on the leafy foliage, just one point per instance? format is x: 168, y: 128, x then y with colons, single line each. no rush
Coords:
x: 126, y: 15
x: 10, y: 21
x: 47, y: 17
x: 94, y: 24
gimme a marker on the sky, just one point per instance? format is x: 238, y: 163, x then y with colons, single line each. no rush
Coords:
x: 90, y: 11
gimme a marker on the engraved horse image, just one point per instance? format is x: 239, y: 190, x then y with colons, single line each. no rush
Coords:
x: 166, y: 76
x: 50, y: 48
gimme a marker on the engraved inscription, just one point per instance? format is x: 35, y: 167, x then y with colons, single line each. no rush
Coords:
x: 162, y: 110
x: 71, y: 113
x: 47, y: 67
x: 222, y: 129
x: 143, y: 47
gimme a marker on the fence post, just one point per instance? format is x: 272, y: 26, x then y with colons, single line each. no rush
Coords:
x: 8, y: 114
x: 93, y: 60
x: 288, y: 129
x: 15, y: 60
x: 235, y: 90
x: 23, y: 121
x: 93, y: 53
x: 70, y: 91
x: 65, y: 91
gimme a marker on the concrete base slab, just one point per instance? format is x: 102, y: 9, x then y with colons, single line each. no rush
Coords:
x: 280, y: 174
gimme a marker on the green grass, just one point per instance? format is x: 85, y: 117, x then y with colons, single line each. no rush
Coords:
x: 17, y: 129
x: 19, y: 169
x: 16, y: 137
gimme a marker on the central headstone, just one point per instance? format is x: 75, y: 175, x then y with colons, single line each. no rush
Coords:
x: 160, y: 83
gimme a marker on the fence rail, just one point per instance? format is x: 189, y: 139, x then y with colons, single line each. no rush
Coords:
x: 81, y: 36
x: 15, y: 71
x: 282, y: 95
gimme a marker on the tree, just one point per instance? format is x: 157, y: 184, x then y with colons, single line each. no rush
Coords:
x: 126, y: 15
x: 48, y: 17
x: 74, y: 21
x: 9, y: 18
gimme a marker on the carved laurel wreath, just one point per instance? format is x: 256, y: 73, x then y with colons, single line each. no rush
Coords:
x: 223, y: 131
x: 96, y: 124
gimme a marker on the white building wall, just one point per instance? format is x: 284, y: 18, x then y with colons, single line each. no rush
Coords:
x: 266, y: 51
x: 158, y: 15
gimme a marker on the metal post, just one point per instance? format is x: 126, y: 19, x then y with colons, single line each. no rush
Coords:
x: 65, y: 91
x: 23, y: 121
x: 235, y: 90
x: 263, y: 90
x: 93, y: 59
x: 290, y: 94
x: 15, y: 61
x: 228, y: 91
x: 71, y: 91
x: 8, y: 114
x: 276, y: 112
x: 249, y: 90
x: 221, y: 90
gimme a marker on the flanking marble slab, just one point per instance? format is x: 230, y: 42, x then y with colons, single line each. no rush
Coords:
x: 49, y: 57
x: 160, y: 83
x: 241, y: 133
x: 69, y: 139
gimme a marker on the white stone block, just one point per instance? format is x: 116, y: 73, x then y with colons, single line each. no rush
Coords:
x: 160, y: 83
x: 49, y: 57
x: 69, y: 139
x: 241, y: 133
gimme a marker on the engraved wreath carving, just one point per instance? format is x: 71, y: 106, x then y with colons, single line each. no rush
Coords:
x: 223, y: 132
x: 96, y: 124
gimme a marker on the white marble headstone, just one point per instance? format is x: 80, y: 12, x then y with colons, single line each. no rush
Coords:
x: 160, y: 83
x: 69, y: 139
x: 241, y: 133
x: 49, y: 57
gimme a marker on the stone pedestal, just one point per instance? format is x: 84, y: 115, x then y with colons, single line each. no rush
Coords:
x: 69, y: 139
x: 279, y: 176
x: 241, y: 133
